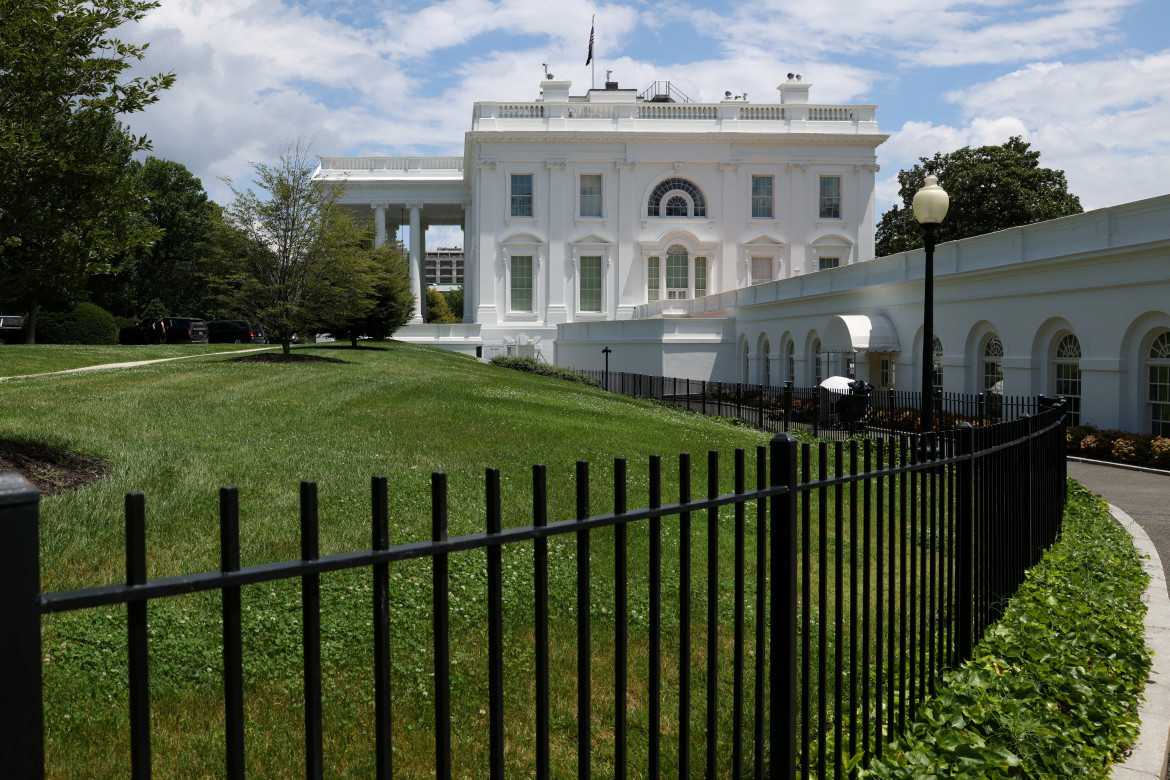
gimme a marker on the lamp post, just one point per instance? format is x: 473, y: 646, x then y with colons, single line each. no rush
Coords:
x: 930, y: 206
x: 606, y: 352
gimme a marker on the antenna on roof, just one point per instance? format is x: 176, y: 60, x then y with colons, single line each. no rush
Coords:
x: 548, y: 76
x: 609, y: 75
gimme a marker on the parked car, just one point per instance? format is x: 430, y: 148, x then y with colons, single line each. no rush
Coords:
x: 235, y: 332
x: 10, y: 325
x: 165, y: 330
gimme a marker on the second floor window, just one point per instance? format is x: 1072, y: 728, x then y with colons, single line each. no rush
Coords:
x: 591, y: 194
x: 521, y: 195
x: 830, y: 197
x: 761, y: 197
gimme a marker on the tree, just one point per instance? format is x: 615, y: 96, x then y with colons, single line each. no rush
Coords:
x: 437, y: 308
x: 67, y: 205
x: 454, y: 298
x: 393, y: 301
x: 294, y: 259
x: 174, y: 269
x: 991, y: 188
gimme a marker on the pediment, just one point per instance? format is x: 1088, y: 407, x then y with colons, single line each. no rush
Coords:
x: 521, y: 239
x: 764, y: 239
x: 592, y: 239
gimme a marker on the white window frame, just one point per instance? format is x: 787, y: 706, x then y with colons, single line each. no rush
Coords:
x: 831, y: 245
x: 1150, y: 364
x: 763, y: 246
x: 1059, y: 362
x: 840, y: 198
x: 822, y: 262
x: 537, y: 191
x: 521, y: 247
x: 591, y: 249
x: 752, y: 198
x: 578, y: 216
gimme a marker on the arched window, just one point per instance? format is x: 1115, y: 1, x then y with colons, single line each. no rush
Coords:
x: 993, y: 366
x: 747, y: 372
x: 818, y: 374
x: 1066, y: 366
x: 790, y: 362
x: 677, y: 272
x: 767, y: 364
x: 1158, y: 367
x: 670, y: 199
x: 937, y: 350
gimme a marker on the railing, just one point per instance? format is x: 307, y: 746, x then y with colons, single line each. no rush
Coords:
x: 906, y: 548
x: 398, y: 164
x: 676, y: 111
x: 826, y: 413
x: 770, y: 113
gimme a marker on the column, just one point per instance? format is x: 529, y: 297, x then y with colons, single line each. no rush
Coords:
x: 416, y: 275
x: 469, y: 292
x: 560, y: 269
x: 629, y: 277
x: 379, y: 224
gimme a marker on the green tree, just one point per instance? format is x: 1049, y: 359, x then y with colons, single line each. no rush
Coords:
x: 991, y: 188
x: 67, y: 204
x: 437, y: 308
x: 293, y: 259
x: 455, y: 302
x: 174, y: 269
x: 393, y: 301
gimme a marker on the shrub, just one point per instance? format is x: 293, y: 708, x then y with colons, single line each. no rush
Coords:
x: 1160, y: 452
x: 86, y: 324
x: 1053, y: 688
x: 533, y: 366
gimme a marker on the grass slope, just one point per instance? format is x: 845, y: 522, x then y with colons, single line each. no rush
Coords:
x: 23, y: 360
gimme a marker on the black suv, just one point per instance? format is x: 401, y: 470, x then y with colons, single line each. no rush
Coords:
x: 235, y: 332
x: 165, y: 330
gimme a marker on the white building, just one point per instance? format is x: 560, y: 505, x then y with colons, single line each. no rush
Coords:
x: 726, y: 241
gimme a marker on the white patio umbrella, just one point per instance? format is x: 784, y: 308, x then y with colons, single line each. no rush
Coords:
x: 837, y: 384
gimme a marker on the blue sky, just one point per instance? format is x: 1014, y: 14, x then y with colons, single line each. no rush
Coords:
x: 1087, y: 82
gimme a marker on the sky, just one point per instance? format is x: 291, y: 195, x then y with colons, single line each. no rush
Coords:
x: 1086, y: 82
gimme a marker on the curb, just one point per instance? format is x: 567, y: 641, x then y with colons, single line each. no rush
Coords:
x: 1126, y: 466
x: 1148, y: 758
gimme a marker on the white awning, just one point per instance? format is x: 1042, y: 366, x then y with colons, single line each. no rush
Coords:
x: 860, y: 333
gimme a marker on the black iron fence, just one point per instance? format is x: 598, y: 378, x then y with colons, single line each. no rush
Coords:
x: 827, y: 413
x: 861, y: 570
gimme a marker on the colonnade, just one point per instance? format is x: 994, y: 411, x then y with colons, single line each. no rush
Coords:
x: 417, y: 250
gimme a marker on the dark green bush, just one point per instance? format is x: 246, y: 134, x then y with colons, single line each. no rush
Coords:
x: 533, y: 366
x: 1052, y: 690
x: 86, y: 324
x: 1139, y: 449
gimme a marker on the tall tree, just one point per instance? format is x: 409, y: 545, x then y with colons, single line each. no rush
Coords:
x: 991, y: 188
x: 295, y: 259
x: 67, y: 205
x: 173, y: 271
x: 393, y: 301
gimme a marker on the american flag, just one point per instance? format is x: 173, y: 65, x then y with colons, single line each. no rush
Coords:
x: 589, y: 59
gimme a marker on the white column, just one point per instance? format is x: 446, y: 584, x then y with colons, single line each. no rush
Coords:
x: 379, y: 224
x: 560, y: 269
x: 416, y: 276
x: 469, y: 294
x: 422, y: 253
x: 629, y: 277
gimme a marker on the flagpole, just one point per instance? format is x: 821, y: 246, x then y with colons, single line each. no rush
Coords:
x: 592, y: 24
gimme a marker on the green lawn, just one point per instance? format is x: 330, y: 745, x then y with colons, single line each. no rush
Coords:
x: 177, y: 431
x: 22, y: 360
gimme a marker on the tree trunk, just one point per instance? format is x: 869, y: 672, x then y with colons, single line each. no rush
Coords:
x: 30, y: 325
x: 285, y: 345
x: 353, y: 341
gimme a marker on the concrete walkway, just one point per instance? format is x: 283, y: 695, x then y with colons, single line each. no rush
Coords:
x: 132, y: 363
x: 1140, y: 502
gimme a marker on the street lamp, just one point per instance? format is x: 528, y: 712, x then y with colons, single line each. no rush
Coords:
x: 930, y: 206
x: 606, y: 352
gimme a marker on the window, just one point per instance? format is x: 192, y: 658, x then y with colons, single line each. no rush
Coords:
x: 830, y: 197
x: 761, y: 197
x: 591, y: 194
x: 1159, y: 372
x: 653, y: 278
x: 521, y: 195
x: 747, y: 373
x: 1067, y: 380
x: 790, y: 363
x: 521, y: 286
x: 761, y: 270
x: 817, y: 373
x: 937, y: 378
x: 700, y: 277
x: 886, y: 373
x: 676, y: 202
x: 677, y: 276
x: 829, y: 262
x: 993, y: 366
x: 767, y: 363
x: 590, y: 294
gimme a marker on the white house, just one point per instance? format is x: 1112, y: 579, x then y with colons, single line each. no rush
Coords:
x: 735, y: 241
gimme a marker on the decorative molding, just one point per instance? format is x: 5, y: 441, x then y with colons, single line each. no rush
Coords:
x: 627, y: 164
x: 466, y: 204
x: 376, y: 206
x: 678, y: 166
x: 870, y: 167
x: 414, y: 204
x: 558, y: 164
x: 799, y: 165
x: 487, y: 164
x: 734, y: 164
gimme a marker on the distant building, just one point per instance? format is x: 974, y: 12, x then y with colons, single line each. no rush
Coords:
x: 444, y: 268
x: 735, y: 241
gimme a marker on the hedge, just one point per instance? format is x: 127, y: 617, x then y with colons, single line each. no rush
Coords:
x: 534, y: 366
x: 1139, y: 449
x: 1053, y: 688
x: 86, y: 324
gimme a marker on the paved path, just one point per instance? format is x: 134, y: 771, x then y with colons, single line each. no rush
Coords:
x: 1140, y: 501
x: 132, y: 363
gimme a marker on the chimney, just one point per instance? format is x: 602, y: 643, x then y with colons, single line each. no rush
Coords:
x: 794, y: 91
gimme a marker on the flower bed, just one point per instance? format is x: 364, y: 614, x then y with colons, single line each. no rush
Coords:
x: 1138, y: 449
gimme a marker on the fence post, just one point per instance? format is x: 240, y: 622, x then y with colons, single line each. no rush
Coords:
x: 787, y: 405
x: 22, y: 747
x: 782, y: 671
x: 964, y: 545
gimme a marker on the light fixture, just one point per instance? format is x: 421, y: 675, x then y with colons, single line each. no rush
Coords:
x: 930, y: 207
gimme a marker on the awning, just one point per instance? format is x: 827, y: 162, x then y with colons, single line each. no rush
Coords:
x: 860, y: 333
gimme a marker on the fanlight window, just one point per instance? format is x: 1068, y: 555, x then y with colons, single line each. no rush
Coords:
x: 676, y: 205
x: 1158, y: 366
x: 1067, y: 370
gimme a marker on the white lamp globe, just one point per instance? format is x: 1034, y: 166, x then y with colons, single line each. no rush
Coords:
x: 931, y: 202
